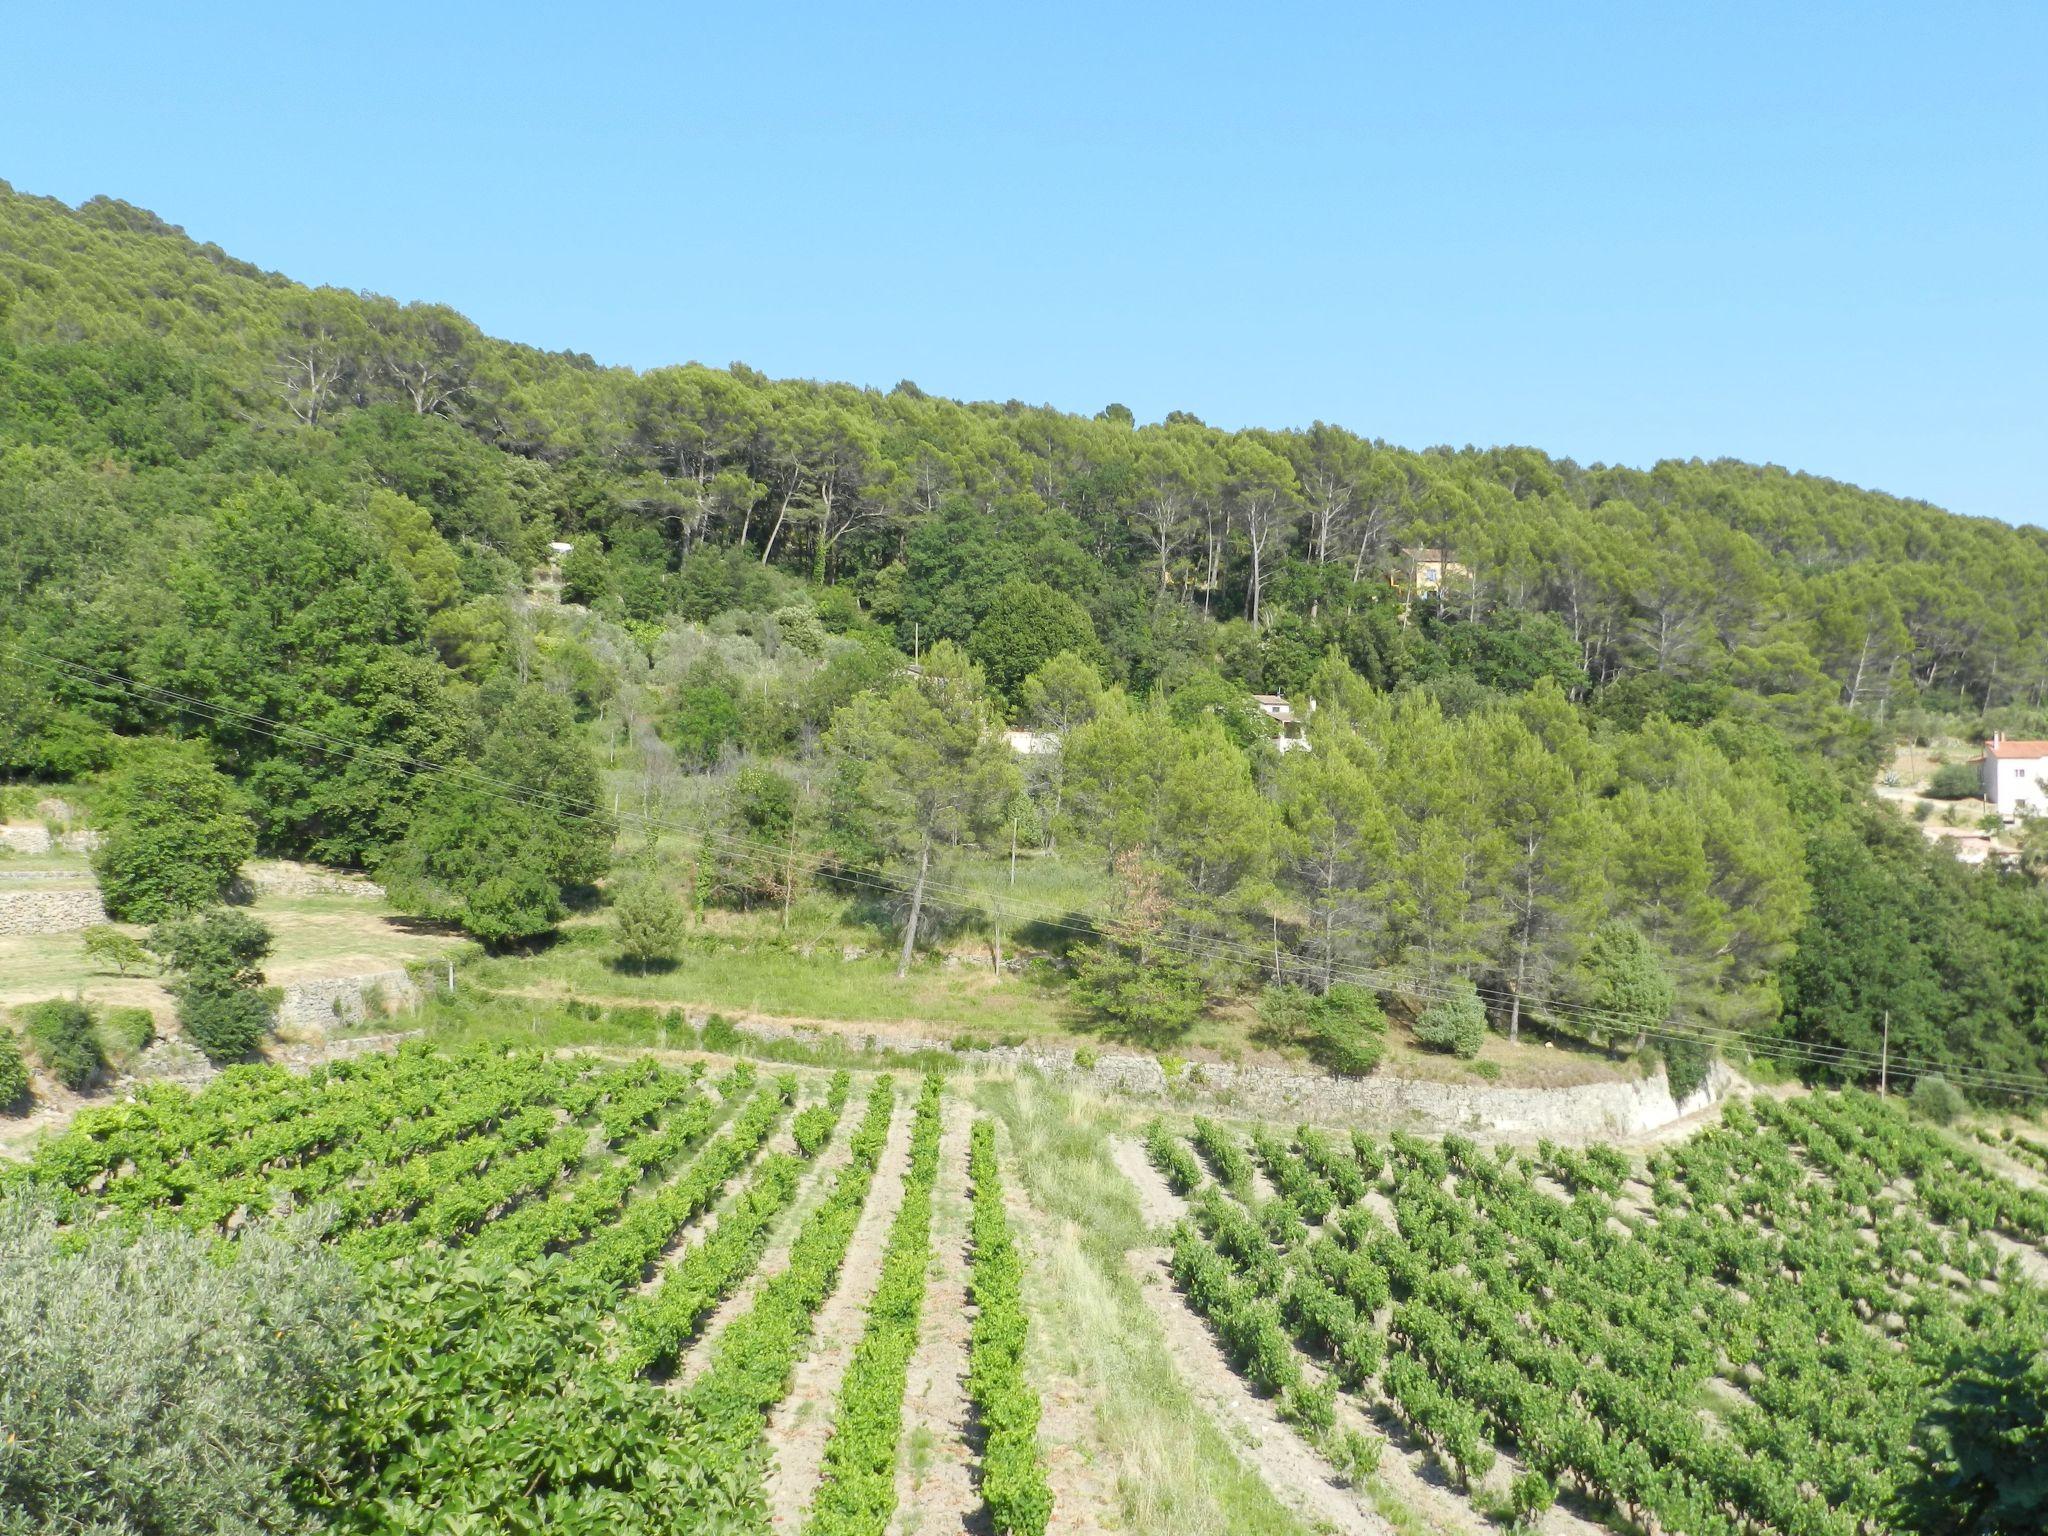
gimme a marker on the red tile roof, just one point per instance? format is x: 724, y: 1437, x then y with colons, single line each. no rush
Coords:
x: 2004, y: 750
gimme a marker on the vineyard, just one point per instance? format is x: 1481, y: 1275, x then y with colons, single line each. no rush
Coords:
x: 630, y: 1295
x: 593, y: 1283
x: 1740, y: 1337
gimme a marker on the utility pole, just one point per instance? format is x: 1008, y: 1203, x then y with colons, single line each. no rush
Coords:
x: 1884, y: 1060
x: 1013, y: 853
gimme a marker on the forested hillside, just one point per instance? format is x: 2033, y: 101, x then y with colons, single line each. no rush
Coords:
x: 1610, y: 776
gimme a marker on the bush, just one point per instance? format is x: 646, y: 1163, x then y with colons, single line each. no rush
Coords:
x: 1348, y: 1030
x: 126, y: 1031
x: 225, y: 1024
x: 222, y: 1007
x: 1939, y: 1100
x: 1685, y: 1065
x: 1457, y: 1024
x: 61, y: 1034
x: 116, y: 1424
x: 13, y: 1074
x: 1954, y: 781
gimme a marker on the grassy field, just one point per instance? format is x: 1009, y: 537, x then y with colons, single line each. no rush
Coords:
x: 316, y: 935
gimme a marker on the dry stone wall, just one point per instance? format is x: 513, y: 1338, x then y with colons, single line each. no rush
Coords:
x: 309, y: 1009
x: 1581, y: 1112
x: 25, y: 837
x: 31, y: 911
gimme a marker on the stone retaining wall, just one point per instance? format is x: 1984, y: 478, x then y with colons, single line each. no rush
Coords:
x: 25, y: 837
x: 311, y: 1008
x: 1581, y: 1112
x: 32, y: 911
x: 298, y: 880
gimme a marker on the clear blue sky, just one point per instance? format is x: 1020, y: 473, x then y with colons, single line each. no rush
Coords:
x: 1812, y: 234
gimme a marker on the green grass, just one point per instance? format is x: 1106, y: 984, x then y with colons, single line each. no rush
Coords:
x: 1176, y: 1473
x: 760, y: 973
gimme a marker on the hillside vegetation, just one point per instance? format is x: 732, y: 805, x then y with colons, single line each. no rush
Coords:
x: 270, y: 550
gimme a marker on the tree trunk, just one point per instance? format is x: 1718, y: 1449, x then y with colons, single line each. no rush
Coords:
x: 924, y: 864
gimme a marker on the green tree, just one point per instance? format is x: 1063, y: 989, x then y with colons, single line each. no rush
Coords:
x: 1626, y: 983
x: 497, y: 851
x: 1026, y: 626
x: 918, y: 768
x: 176, y: 835
x: 218, y: 959
x: 1985, y: 1471
x: 108, y: 945
x: 648, y: 921
x: 1347, y: 1029
x: 1336, y: 850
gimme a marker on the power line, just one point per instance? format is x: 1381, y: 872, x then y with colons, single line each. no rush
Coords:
x: 772, y: 858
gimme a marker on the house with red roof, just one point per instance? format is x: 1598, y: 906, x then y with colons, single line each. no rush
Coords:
x: 2015, y: 777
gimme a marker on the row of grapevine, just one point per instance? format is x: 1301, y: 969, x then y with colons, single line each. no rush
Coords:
x: 858, y: 1493
x: 1013, y: 1483
x: 754, y: 1357
x: 660, y: 1327
x: 619, y: 1255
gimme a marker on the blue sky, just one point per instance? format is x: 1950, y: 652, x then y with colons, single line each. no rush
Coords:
x: 1811, y: 234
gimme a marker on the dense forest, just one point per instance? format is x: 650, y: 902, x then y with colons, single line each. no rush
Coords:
x: 1609, y: 776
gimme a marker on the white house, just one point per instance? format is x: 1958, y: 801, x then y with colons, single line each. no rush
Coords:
x: 2015, y: 777
x: 1032, y: 743
x: 1293, y: 735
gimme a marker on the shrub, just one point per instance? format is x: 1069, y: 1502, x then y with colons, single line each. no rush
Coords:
x: 1457, y: 1024
x: 1935, y: 1097
x: 1953, y: 781
x: 107, y: 944
x: 1685, y: 1065
x: 126, y: 1031
x: 61, y: 1034
x: 13, y: 1074
x: 722, y: 1035
x: 116, y: 1423
x: 225, y: 1024
x: 1348, y: 1030
x: 222, y: 1007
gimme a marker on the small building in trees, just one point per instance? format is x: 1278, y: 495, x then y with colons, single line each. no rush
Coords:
x: 1293, y: 735
x: 2015, y: 777
x: 1429, y: 569
x: 1032, y: 743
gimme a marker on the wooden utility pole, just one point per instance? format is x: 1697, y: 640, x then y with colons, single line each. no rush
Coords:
x: 1884, y: 1059
x: 1013, y: 853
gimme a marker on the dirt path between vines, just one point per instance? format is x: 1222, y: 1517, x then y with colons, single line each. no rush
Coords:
x: 935, y: 1489
x: 802, y: 1421
x: 1157, y: 1203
